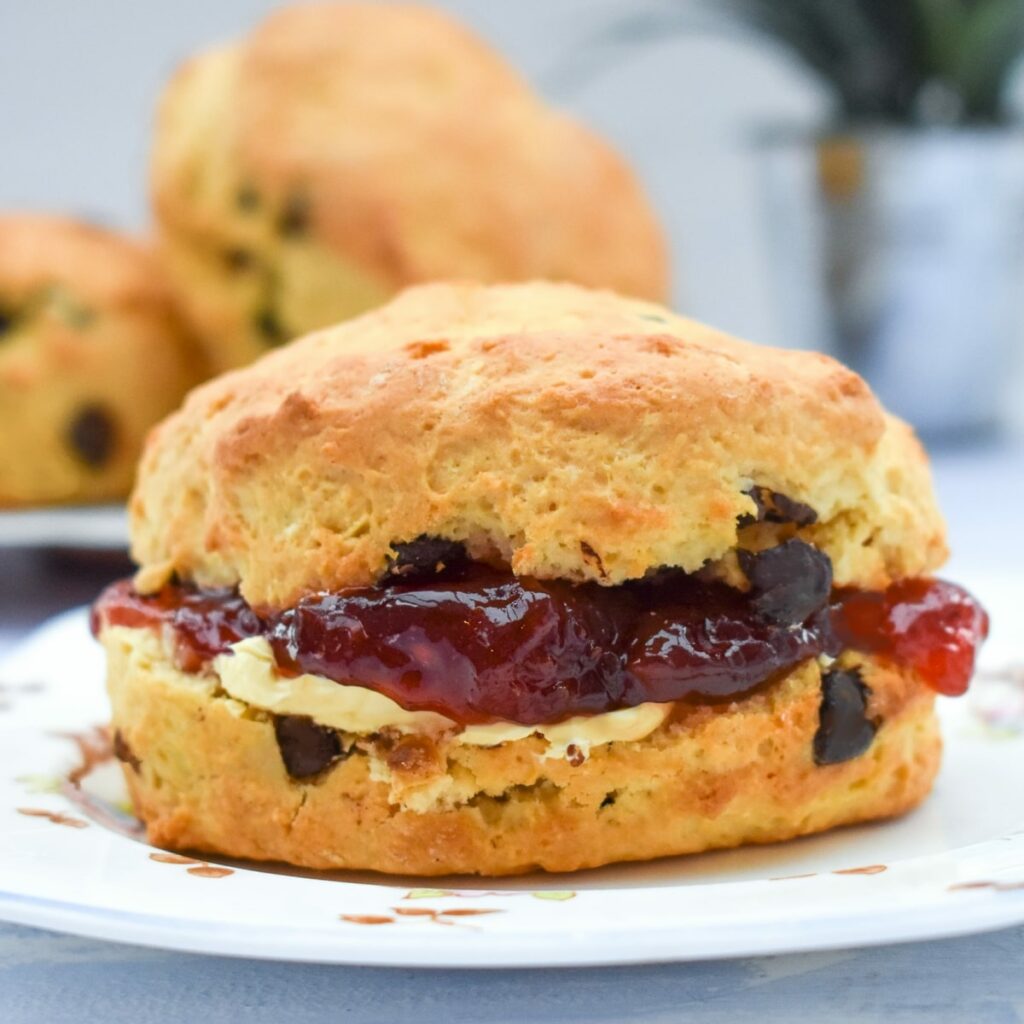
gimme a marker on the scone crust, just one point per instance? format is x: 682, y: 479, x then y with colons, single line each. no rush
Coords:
x: 415, y: 152
x: 563, y: 432
x: 205, y: 774
x: 89, y: 330
x: 104, y: 268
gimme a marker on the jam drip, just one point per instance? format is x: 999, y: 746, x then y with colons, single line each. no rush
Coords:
x: 479, y: 645
x: 202, y: 622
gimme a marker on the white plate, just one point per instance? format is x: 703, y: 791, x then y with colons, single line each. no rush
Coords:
x: 101, y: 527
x: 73, y: 863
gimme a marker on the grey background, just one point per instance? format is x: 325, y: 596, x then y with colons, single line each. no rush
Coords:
x: 79, y: 80
x: 48, y: 979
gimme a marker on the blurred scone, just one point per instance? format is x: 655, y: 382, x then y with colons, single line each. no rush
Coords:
x: 344, y: 151
x: 496, y: 578
x: 91, y: 356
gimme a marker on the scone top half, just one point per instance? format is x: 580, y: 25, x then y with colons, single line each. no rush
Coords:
x: 562, y: 433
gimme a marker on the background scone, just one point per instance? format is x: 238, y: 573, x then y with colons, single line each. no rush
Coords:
x: 91, y: 356
x: 528, y: 576
x: 344, y: 151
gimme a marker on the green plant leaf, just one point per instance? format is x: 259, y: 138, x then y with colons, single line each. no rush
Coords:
x: 884, y: 60
x: 880, y: 56
x: 942, y: 25
x: 991, y: 42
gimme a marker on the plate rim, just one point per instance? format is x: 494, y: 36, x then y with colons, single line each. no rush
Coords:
x: 98, y: 527
x: 407, y: 949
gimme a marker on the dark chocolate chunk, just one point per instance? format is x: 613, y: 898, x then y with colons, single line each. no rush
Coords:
x: 123, y: 752
x: 422, y: 558
x: 773, y: 507
x: 844, y: 729
x: 294, y: 219
x: 306, y: 748
x: 788, y: 583
x: 269, y: 326
x: 247, y: 199
x: 785, y: 510
x: 92, y: 435
x: 412, y: 754
x: 593, y: 558
x: 574, y: 755
x: 237, y: 259
x: 6, y: 321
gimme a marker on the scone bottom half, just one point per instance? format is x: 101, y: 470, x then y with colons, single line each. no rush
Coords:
x: 503, y: 578
x: 501, y: 719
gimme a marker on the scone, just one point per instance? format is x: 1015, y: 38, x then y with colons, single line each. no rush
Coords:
x: 343, y: 151
x: 528, y: 576
x: 91, y: 356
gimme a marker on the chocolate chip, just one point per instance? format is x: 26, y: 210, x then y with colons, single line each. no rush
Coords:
x: 247, y: 199
x: 7, y: 320
x: 413, y: 754
x: 574, y: 755
x: 788, y: 583
x: 785, y: 510
x: 294, y: 219
x: 92, y: 435
x: 422, y: 558
x: 306, y: 748
x: 237, y: 259
x: 270, y: 327
x: 844, y: 730
x: 591, y: 557
x: 773, y: 507
x: 123, y: 752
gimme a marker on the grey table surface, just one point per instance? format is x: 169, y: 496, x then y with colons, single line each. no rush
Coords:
x: 46, y: 977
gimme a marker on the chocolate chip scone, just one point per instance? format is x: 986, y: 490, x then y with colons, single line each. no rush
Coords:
x: 494, y: 579
x: 91, y: 356
x: 343, y: 151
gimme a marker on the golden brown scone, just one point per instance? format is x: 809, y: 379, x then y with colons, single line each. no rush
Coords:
x: 466, y: 458
x: 91, y: 356
x: 205, y: 773
x: 345, y: 150
x: 567, y: 433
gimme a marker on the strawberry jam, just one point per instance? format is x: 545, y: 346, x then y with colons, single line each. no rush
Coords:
x: 932, y: 625
x: 479, y: 645
x: 201, y: 623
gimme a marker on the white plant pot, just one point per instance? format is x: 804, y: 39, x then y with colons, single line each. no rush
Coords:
x: 902, y: 252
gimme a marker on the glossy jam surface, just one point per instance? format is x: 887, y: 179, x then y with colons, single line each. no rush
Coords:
x: 489, y: 646
x: 203, y: 623
x: 935, y: 626
x: 479, y: 645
